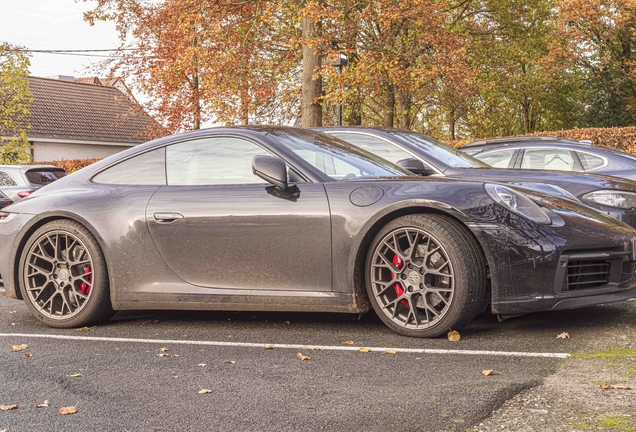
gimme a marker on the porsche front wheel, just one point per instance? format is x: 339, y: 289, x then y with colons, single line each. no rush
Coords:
x: 63, y: 276
x: 425, y: 275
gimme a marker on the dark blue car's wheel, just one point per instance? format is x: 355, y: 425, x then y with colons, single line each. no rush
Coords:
x: 63, y: 276
x: 425, y: 275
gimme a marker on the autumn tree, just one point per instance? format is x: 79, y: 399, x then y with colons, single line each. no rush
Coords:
x: 397, y: 54
x: 15, y: 100
x: 602, y: 39
x: 198, y: 60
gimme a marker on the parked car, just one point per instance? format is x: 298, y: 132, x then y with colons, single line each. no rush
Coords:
x: 555, y: 154
x: 19, y: 181
x: 4, y: 201
x: 613, y: 196
x: 283, y: 219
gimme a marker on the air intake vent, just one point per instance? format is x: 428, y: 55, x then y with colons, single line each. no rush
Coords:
x: 585, y: 274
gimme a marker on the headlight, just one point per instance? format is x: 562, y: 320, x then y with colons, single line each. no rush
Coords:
x: 623, y: 200
x: 517, y: 203
x: 548, y: 189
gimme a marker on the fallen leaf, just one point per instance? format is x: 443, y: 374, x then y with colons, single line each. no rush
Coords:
x: 349, y: 342
x: 229, y: 362
x: 44, y: 404
x: 271, y: 346
x: 488, y: 372
x: 318, y: 349
x: 454, y: 336
x: 77, y: 375
x: 8, y: 407
x: 67, y: 410
x: 563, y: 335
x: 287, y: 322
x: 303, y: 357
x: 19, y: 347
x: 83, y: 329
x: 615, y: 387
x: 28, y: 355
x: 164, y: 349
x: 202, y: 365
x: 168, y: 355
x: 205, y: 391
x: 389, y: 351
x: 12, y: 312
x: 365, y: 349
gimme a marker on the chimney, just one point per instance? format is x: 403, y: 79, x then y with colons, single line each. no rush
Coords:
x: 62, y: 77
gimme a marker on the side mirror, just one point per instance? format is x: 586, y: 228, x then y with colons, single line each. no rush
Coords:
x: 416, y: 166
x: 271, y: 169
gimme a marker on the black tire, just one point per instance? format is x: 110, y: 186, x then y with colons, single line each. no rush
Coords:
x: 402, y: 296
x: 54, y: 282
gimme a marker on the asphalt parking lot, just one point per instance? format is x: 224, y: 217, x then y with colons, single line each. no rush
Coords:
x: 129, y: 383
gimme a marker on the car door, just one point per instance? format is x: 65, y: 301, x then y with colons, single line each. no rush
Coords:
x: 550, y: 158
x: 504, y: 158
x: 218, y: 225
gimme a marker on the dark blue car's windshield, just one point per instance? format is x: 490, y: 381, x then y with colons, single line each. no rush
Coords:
x: 440, y: 151
x: 336, y: 158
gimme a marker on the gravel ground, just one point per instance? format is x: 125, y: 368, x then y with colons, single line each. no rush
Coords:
x: 572, y: 399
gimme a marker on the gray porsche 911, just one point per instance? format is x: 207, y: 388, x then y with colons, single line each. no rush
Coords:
x: 282, y: 219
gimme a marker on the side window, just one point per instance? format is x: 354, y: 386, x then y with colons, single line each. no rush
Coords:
x: 375, y: 145
x: 590, y: 161
x: 212, y: 161
x: 497, y: 159
x: 147, y: 169
x: 6, y: 180
x: 547, y: 159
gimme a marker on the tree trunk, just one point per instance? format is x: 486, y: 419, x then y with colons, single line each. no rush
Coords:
x: 389, y: 107
x: 403, y: 110
x: 451, y: 123
x: 197, y: 101
x: 311, y: 88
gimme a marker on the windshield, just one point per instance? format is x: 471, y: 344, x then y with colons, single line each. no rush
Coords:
x: 443, y: 152
x: 336, y: 158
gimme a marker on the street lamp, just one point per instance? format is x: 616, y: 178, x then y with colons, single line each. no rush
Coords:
x: 339, y: 63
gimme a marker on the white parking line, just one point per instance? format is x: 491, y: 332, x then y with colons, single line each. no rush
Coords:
x: 24, y: 336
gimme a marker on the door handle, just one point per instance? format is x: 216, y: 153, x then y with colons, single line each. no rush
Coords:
x: 164, y: 217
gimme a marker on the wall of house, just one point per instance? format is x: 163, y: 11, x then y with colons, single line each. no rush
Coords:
x: 45, y: 151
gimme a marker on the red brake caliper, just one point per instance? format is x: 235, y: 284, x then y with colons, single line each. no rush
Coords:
x: 399, y: 289
x: 84, y: 287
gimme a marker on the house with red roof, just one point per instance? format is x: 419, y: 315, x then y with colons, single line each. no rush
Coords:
x: 78, y: 118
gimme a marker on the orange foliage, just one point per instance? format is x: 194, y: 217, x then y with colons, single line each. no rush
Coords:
x: 70, y: 165
x: 621, y: 138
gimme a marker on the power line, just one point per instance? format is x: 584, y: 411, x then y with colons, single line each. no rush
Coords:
x: 75, y: 51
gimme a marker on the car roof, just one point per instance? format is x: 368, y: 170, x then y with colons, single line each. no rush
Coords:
x: 524, y: 140
x: 27, y: 167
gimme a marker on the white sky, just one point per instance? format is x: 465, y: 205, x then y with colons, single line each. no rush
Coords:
x: 55, y: 24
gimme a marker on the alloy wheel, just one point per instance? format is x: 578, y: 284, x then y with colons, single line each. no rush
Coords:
x: 412, y: 278
x: 58, y: 274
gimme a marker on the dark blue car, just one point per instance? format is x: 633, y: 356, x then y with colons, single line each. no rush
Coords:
x: 549, y: 153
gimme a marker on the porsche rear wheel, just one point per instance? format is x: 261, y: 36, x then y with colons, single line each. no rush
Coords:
x: 425, y: 275
x: 63, y: 276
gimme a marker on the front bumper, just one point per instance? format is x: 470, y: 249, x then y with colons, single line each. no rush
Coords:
x: 532, y: 271
x: 11, y: 229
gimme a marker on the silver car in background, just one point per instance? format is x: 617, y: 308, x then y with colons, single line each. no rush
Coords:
x: 19, y: 181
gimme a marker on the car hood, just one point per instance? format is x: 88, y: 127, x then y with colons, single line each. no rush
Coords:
x: 577, y: 184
